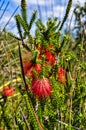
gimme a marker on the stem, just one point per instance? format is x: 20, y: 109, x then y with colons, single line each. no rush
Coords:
x: 26, y: 122
x: 26, y: 88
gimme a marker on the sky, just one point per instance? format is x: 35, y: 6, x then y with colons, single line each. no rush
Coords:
x: 45, y: 9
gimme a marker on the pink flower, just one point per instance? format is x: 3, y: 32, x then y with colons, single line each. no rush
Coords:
x: 41, y: 87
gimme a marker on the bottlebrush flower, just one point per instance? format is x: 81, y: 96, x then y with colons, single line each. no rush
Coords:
x: 61, y: 75
x: 41, y: 87
x: 8, y: 91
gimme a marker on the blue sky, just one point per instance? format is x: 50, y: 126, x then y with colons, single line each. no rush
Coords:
x: 47, y: 8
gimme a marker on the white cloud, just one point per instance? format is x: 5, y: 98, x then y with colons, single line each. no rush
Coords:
x: 6, y: 18
x: 17, y: 1
x: 58, y: 11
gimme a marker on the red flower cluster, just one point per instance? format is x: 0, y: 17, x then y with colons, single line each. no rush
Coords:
x: 50, y: 57
x: 29, y: 66
x: 28, y: 69
x: 61, y: 75
x: 8, y: 91
x: 41, y: 87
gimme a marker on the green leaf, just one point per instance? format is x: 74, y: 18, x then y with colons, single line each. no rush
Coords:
x: 66, y: 14
x: 32, y: 20
x: 23, y: 10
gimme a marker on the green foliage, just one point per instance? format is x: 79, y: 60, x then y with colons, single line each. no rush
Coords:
x: 80, y: 25
x: 48, y: 34
x: 18, y: 26
x: 14, y: 36
x: 23, y: 10
x: 32, y: 20
x: 22, y: 22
